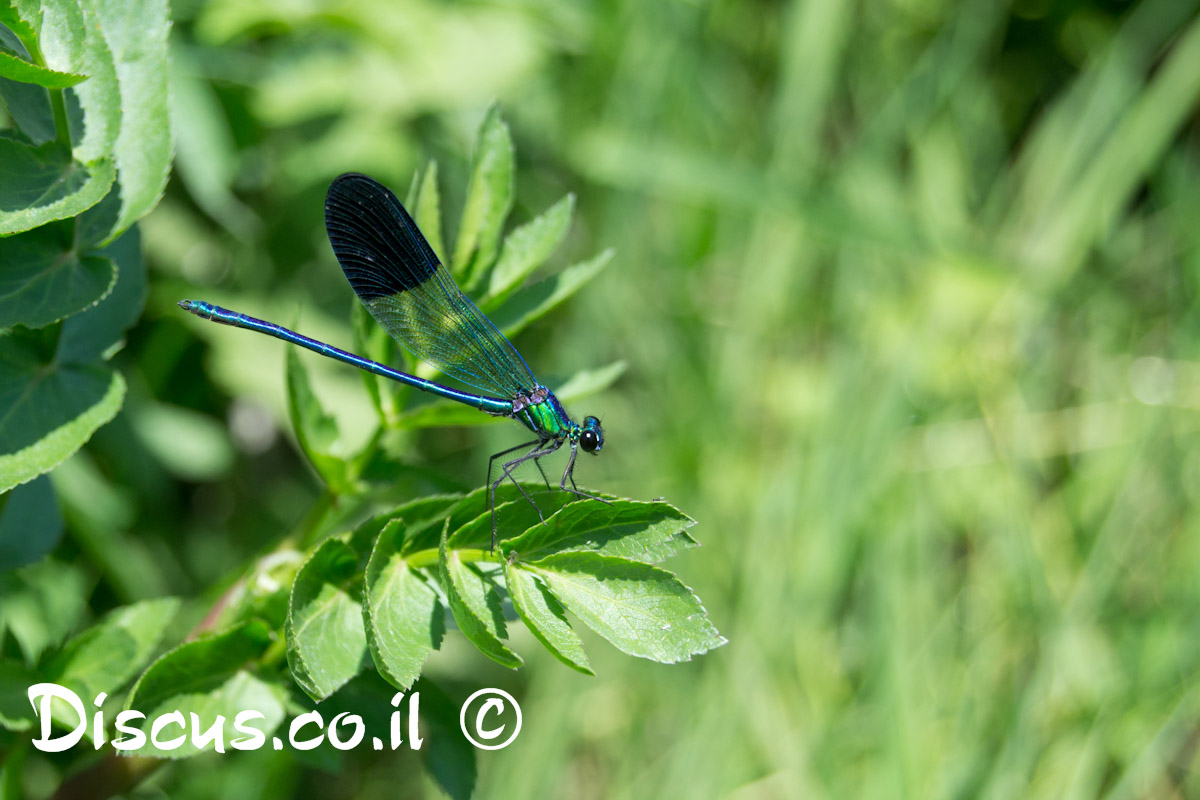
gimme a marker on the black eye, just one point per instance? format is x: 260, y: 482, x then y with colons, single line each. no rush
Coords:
x: 589, y: 441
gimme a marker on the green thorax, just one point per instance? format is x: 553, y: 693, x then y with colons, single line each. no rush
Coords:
x: 541, y: 412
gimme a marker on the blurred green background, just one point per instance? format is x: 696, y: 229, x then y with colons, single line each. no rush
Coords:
x: 908, y: 294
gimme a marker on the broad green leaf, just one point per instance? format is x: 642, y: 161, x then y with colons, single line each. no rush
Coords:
x: 43, y: 184
x: 544, y: 617
x: 54, y: 390
x: 50, y: 408
x: 512, y: 517
x: 489, y: 198
x: 19, y: 23
x: 417, y: 514
x: 476, y: 607
x: 18, y: 69
x: 642, y: 531
x: 41, y: 603
x: 527, y: 248
x: 108, y: 654
x: 93, y: 333
x: 208, y: 677
x: 16, y: 65
x: 325, y: 636
x: 30, y: 523
x: 71, y: 41
x: 27, y: 103
x: 316, y: 430
x: 532, y: 303
x: 643, y: 610
x: 242, y: 691
x: 16, y: 713
x: 198, y: 665
x: 424, y: 534
x: 45, y: 279
x: 29, y: 106
x: 135, y: 32
x: 587, y: 382
x: 427, y: 212
x: 401, y: 613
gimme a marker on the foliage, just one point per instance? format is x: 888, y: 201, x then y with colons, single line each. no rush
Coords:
x: 906, y: 292
x: 87, y: 155
x: 391, y: 582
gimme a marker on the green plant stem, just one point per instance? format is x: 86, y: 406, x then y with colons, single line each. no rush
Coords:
x: 58, y: 101
x: 430, y: 557
x: 62, y: 125
x: 275, y: 654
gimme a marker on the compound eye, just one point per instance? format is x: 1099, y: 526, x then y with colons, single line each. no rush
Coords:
x: 589, y: 441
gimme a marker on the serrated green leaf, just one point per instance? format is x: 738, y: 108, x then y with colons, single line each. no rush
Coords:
x: 49, y: 413
x: 401, y: 613
x: 242, y: 691
x: 643, y: 610
x: 527, y: 248
x: 208, y: 677
x: 89, y: 663
x: 16, y: 68
x: 28, y: 104
x: 417, y: 515
x: 424, y: 535
x: 199, y: 665
x: 428, y: 211
x: 316, y: 430
x: 135, y: 32
x: 512, y: 516
x: 108, y: 654
x: 43, y: 184
x: 54, y: 390
x: 489, y: 199
x: 326, y: 640
x: 71, y: 40
x: 642, y: 531
x: 544, y: 617
x: 11, y: 18
x: 532, y: 303
x: 92, y: 334
x: 45, y: 279
x: 29, y: 107
x: 16, y: 713
x: 476, y: 607
x: 30, y: 523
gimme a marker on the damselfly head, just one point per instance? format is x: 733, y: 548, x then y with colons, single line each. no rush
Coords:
x: 591, y: 438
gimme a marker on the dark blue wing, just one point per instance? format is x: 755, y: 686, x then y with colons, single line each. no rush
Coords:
x: 397, y: 276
